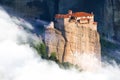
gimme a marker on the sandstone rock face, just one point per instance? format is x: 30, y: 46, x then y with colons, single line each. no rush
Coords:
x: 54, y: 42
x: 71, y: 39
x: 80, y: 40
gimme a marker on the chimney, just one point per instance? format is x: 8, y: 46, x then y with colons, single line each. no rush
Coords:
x: 69, y: 11
x: 92, y: 13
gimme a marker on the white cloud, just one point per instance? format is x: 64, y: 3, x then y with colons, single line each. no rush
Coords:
x: 21, y: 62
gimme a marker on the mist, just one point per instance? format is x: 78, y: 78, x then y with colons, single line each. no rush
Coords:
x: 19, y: 61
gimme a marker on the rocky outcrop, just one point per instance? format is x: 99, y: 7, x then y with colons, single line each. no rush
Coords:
x: 70, y: 39
x: 54, y: 42
x: 111, y: 27
x: 80, y: 40
x: 116, y: 18
x: 106, y: 11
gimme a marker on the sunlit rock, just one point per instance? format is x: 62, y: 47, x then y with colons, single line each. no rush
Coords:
x: 80, y: 34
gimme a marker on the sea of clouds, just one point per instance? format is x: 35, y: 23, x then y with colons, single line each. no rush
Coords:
x: 19, y: 61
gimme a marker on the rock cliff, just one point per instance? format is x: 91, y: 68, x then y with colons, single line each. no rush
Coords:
x: 106, y: 11
x: 80, y: 40
x: 116, y: 18
x: 70, y: 39
x: 54, y: 42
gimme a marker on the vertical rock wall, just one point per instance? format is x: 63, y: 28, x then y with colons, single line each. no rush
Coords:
x: 72, y: 40
x: 80, y: 40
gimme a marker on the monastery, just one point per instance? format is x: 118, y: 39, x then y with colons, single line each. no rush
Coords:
x: 82, y: 18
x: 73, y: 35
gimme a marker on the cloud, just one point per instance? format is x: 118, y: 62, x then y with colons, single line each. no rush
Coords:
x: 19, y: 61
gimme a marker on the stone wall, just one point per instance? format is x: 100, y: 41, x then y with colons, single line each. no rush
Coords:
x: 72, y: 40
x: 80, y: 40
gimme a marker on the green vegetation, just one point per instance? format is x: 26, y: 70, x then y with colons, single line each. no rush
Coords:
x: 41, y: 49
x: 66, y: 65
x: 53, y: 57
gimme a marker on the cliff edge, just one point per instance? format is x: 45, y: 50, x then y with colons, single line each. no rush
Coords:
x: 74, y: 34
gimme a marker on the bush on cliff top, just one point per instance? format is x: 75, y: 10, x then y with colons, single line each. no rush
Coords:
x: 41, y: 49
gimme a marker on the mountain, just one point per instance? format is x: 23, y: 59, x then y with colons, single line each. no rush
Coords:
x: 71, y: 36
x: 106, y: 12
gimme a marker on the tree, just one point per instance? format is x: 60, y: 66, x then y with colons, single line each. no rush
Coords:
x: 41, y: 49
x: 53, y: 57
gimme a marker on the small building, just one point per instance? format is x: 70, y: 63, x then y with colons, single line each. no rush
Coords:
x: 81, y: 18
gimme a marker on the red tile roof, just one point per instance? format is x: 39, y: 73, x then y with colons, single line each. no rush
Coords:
x: 77, y: 14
